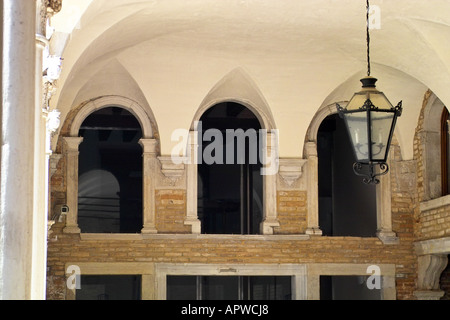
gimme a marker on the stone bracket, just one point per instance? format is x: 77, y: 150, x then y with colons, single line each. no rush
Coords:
x: 172, y: 170
x: 430, y: 267
x: 291, y: 169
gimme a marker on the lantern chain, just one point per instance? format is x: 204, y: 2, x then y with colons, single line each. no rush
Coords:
x: 368, y: 38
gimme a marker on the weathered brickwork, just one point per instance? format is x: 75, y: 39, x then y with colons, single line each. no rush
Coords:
x: 69, y: 248
x: 171, y: 211
x: 418, y: 150
x: 292, y: 209
x: 435, y: 223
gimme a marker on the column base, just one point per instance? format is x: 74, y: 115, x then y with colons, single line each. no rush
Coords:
x: 388, y: 237
x: 268, y: 225
x: 149, y: 230
x: 196, y: 226
x: 72, y: 229
x: 314, y: 231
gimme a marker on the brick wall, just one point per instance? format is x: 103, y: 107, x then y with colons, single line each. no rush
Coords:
x: 171, y: 211
x: 435, y: 223
x: 69, y: 248
x: 292, y: 209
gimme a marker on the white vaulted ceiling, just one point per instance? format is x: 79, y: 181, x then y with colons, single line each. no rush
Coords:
x: 297, y: 55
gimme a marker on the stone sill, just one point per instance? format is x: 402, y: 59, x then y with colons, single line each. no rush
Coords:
x: 138, y: 236
x: 433, y: 246
x: 435, y: 203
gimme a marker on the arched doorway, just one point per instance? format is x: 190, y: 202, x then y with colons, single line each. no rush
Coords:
x: 230, y: 184
x: 110, y: 173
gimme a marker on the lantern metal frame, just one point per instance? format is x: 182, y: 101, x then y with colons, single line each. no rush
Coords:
x: 371, y: 173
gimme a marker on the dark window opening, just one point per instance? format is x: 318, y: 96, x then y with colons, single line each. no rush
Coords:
x: 230, y: 185
x: 347, y: 206
x: 229, y: 288
x: 110, y: 173
x: 347, y: 288
x: 109, y: 287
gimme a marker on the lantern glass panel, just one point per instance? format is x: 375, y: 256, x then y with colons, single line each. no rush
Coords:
x: 381, y: 124
x: 357, y: 128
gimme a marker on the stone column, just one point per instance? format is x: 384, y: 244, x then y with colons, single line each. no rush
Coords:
x: 384, y: 219
x: 270, y: 170
x: 430, y: 267
x: 313, y: 189
x: 150, y: 163
x: 17, y: 148
x: 71, y: 153
x: 191, y: 188
x: 40, y: 214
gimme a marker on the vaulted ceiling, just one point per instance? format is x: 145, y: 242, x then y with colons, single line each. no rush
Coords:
x: 296, y: 56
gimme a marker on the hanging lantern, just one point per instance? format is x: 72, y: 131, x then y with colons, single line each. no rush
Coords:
x: 370, y: 120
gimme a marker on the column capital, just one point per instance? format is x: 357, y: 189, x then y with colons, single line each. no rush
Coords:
x: 149, y: 146
x: 72, y: 143
x: 311, y: 149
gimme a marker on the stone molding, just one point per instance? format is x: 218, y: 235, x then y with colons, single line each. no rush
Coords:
x: 291, y: 170
x: 430, y: 267
x: 432, y: 260
x: 173, y: 171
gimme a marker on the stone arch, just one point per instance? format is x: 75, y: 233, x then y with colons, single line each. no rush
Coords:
x: 238, y: 87
x: 146, y: 120
x: 429, y: 139
x: 149, y: 143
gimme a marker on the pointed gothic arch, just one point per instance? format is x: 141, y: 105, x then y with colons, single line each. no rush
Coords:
x: 236, y: 87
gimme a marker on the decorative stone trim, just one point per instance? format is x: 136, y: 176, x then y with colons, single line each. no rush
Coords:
x: 296, y: 271
x: 145, y: 269
x: 435, y: 203
x: 291, y: 170
x: 429, y: 271
x: 71, y: 153
x: 432, y: 260
x: 313, y: 190
x: 433, y: 246
x: 315, y: 270
x: 170, y: 236
x: 172, y: 171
